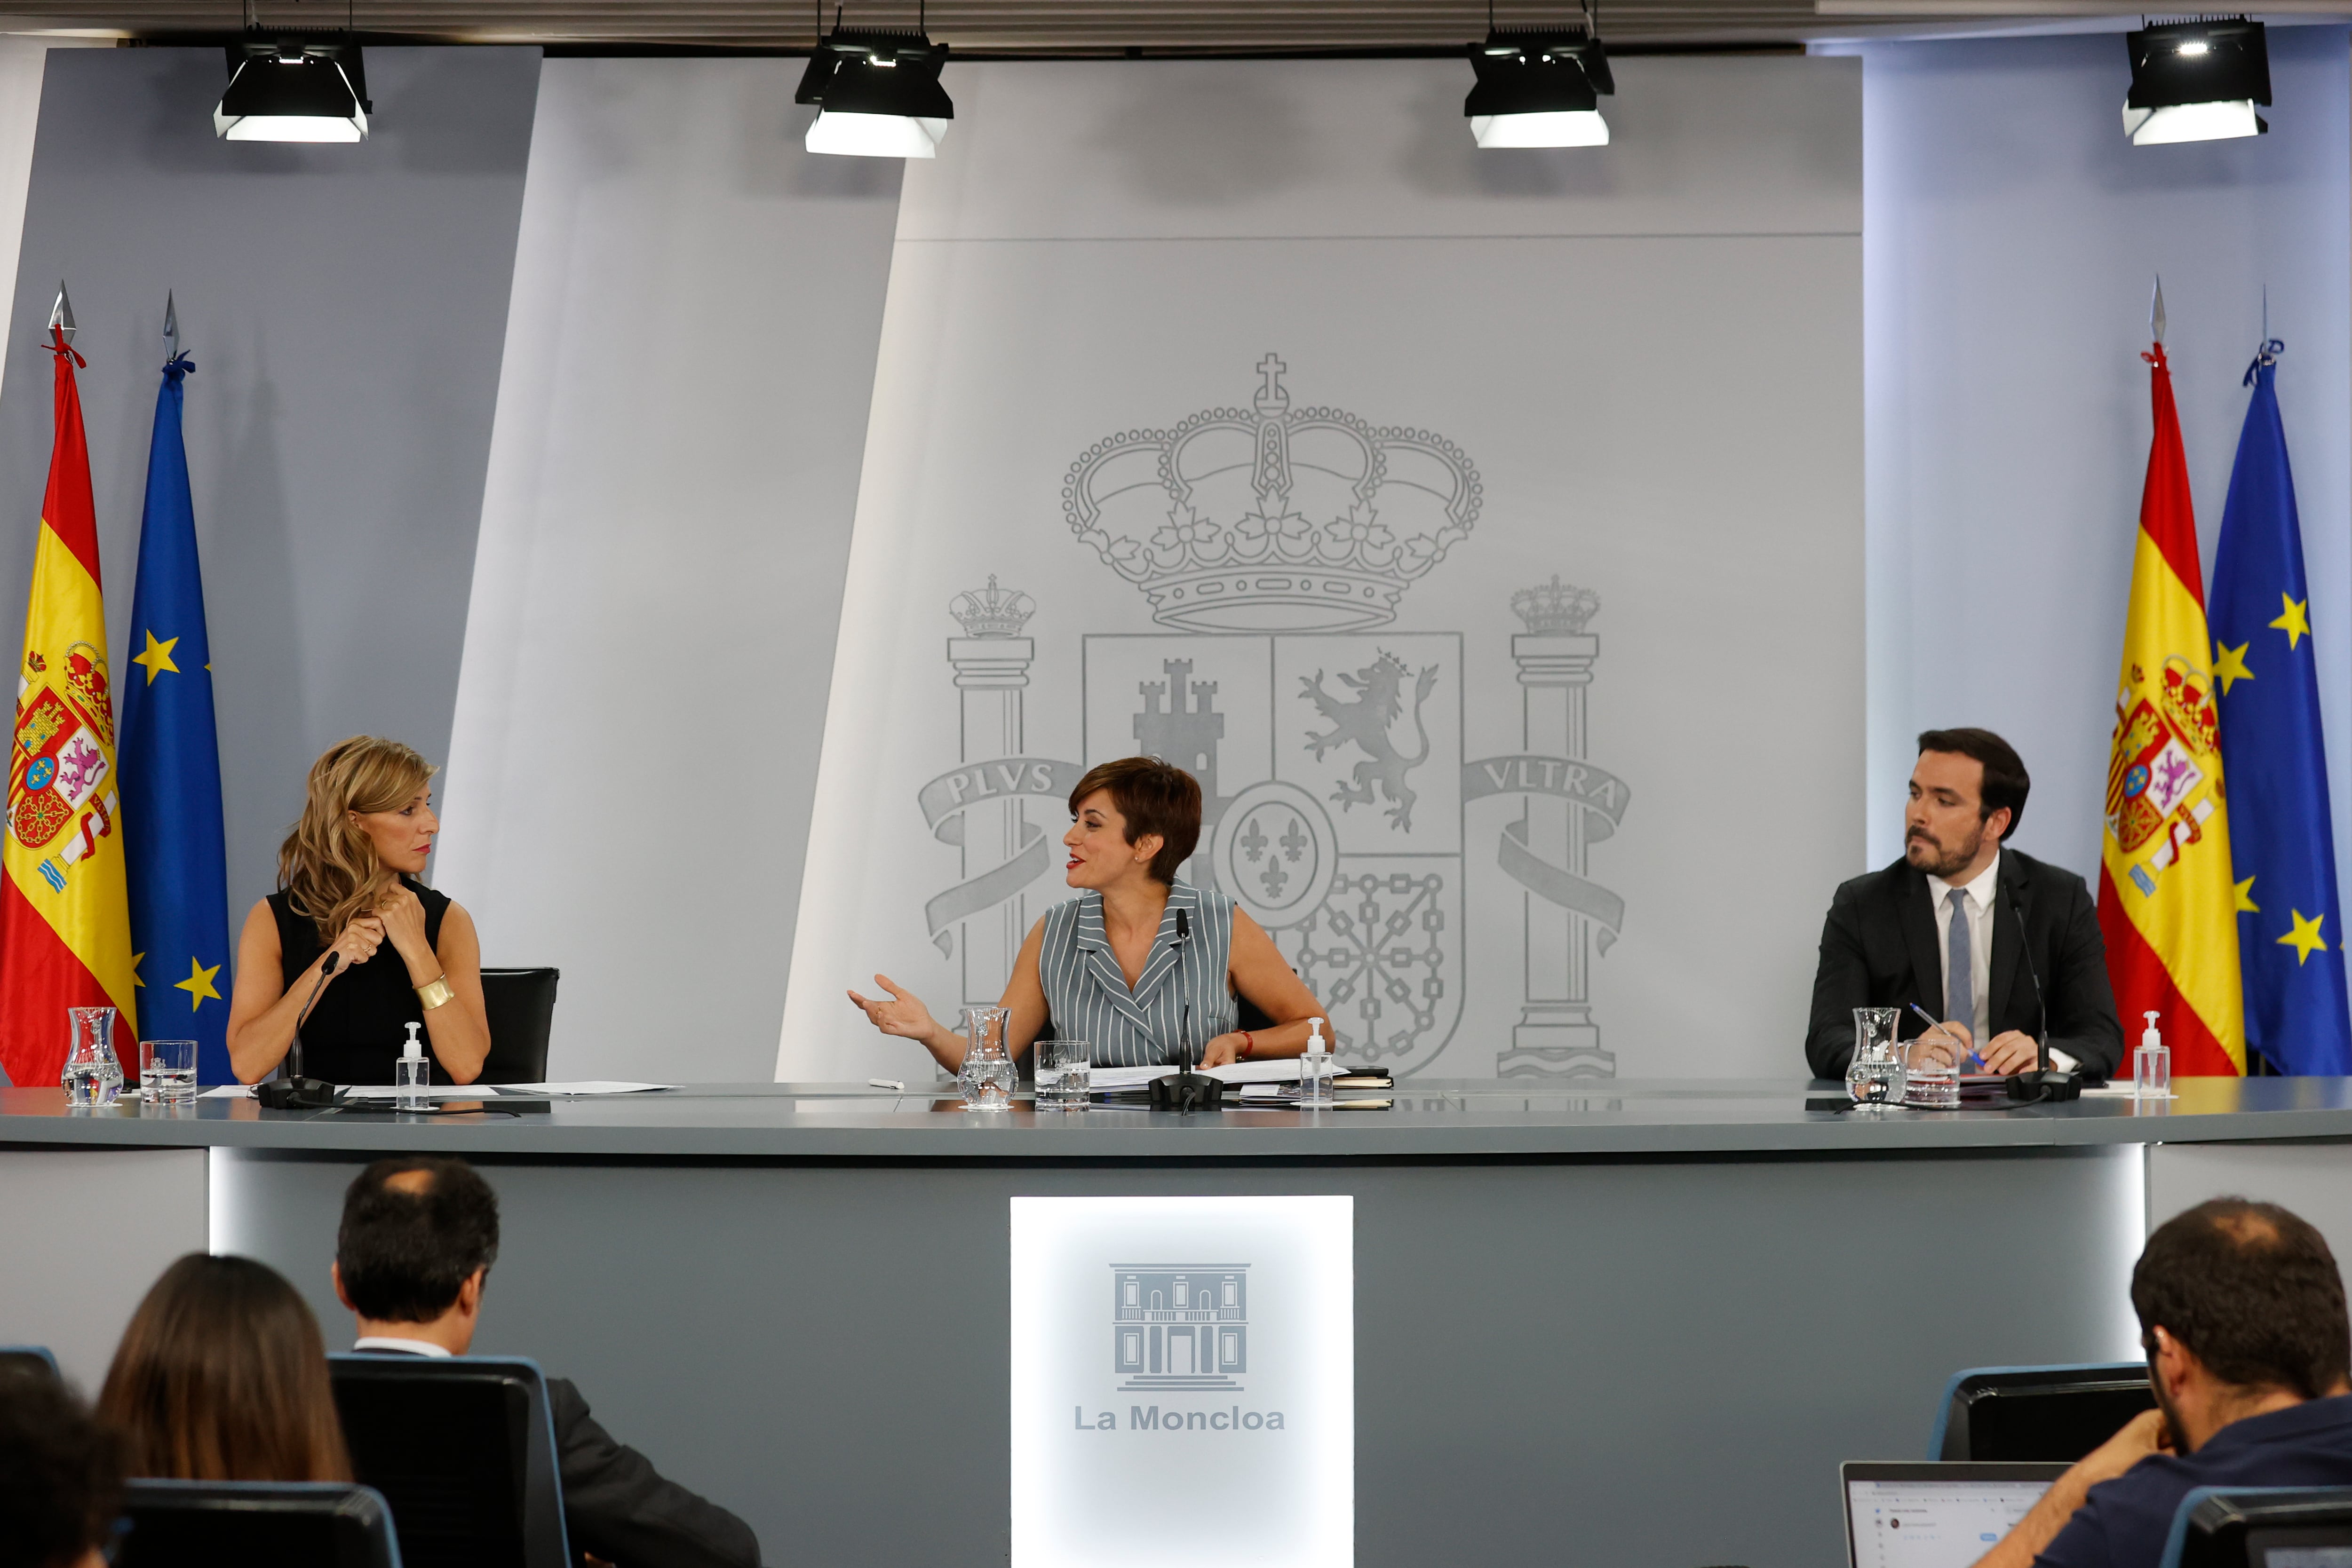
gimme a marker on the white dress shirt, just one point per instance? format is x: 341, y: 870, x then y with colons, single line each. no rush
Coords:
x: 399, y: 1346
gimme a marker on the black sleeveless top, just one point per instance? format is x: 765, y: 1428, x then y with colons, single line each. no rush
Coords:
x: 359, y: 1026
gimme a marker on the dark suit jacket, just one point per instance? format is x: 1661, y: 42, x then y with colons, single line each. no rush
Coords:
x: 616, y: 1505
x: 1879, y: 950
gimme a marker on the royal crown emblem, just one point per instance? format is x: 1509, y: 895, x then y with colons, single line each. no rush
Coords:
x: 1272, y: 519
x: 1555, y: 609
x: 992, y: 611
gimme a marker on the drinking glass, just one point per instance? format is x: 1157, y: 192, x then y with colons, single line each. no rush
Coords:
x: 1931, y: 1072
x: 1875, y: 1076
x: 989, y: 1075
x: 1063, y: 1069
x: 93, y: 1073
x: 167, y: 1069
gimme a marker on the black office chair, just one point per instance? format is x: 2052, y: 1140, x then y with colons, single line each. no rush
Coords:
x: 28, y: 1358
x: 520, y: 1005
x: 2248, y: 1527
x: 2029, y: 1415
x: 255, y: 1524
x: 463, y: 1450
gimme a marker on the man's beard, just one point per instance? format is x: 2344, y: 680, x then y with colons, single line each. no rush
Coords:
x: 1957, y: 860
x: 2171, y: 1416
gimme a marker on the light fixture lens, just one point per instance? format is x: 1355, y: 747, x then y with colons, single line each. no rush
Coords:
x: 1563, y: 128
x: 874, y: 135
x: 2192, y: 122
x: 290, y: 127
x: 2196, y: 47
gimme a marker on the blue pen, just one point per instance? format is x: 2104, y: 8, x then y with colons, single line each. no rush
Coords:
x: 1939, y: 1029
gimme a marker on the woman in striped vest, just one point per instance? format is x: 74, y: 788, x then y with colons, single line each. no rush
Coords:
x: 1140, y: 965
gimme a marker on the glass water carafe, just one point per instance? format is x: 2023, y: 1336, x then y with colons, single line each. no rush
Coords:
x: 988, y: 1076
x: 93, y: 1074
x: 1875, y: 1076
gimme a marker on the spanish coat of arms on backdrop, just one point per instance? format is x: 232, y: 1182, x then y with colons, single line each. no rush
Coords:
x: 1275, y: 546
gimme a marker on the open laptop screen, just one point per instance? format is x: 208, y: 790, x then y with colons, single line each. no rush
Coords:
x: 1935, y: 1515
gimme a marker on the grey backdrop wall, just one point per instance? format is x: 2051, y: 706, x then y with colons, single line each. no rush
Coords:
x: 344, y: 307
x: 697, y: 306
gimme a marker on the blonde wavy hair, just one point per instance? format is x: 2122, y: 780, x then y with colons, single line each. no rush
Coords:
x: 327, y: 865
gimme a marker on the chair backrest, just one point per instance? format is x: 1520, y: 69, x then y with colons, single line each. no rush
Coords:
x: 2260, y: 1527
x: 2015, y: 1414
x: 255, y: 1524
x: 463, y: 1450
x: 30, y: 1357
x: 520, y: 1005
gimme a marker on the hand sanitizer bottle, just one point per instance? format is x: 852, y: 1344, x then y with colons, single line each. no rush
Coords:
x: 413, y: 1074
x: 2152, y: 1065
x: 1315, y: 1067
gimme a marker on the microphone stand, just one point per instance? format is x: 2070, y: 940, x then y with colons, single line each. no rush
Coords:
x: 295, y: 1092
x: 1187, y: 1091
x: 2044, y: 1083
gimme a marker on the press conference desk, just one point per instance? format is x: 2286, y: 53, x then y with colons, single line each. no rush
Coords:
x: 1630, y: 1323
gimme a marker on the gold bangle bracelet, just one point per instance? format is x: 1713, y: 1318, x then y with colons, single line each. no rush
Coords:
x: 435, y: 992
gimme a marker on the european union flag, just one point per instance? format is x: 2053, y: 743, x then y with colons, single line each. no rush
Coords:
x: 2289, y: 926
x: 172, y: 841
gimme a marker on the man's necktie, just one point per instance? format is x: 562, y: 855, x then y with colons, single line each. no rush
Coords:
x: 1960, y: 992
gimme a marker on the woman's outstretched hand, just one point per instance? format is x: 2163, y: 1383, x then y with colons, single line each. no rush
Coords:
x: 903, y: 1015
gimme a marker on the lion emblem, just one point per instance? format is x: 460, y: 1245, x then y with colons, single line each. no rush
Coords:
x: 1365, y: 721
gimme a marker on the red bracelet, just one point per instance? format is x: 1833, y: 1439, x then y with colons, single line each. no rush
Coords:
x: 1248, y: 1042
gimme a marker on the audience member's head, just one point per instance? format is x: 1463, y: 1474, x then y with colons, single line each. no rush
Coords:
x: 419, y: 1238
x: 222, y: 1377
x: 2244, y: 1300
x: 60, y: 1475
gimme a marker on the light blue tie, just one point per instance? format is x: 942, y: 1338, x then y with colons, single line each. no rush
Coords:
x: 1960, y: 992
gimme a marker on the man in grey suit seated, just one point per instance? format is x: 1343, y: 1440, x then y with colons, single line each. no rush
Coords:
x: 418, y: 1236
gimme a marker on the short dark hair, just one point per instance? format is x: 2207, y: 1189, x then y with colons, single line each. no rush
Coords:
x: 1155, y: 796
x: 404, y: 1254
x: 2251, y: 1290
x: 60, y: 1473
x: 2006, y: 782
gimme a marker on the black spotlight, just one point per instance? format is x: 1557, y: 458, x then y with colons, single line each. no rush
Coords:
x: 878, y: 93
x: 1540, y: 88
x: 2197, y: 81
x: 294, y: 89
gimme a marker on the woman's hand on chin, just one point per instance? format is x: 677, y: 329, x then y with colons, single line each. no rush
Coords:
x: 903, y: 1015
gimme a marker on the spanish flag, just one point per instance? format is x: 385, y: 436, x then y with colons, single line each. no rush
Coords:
x: 64, y: 918
x: 2168, y: 903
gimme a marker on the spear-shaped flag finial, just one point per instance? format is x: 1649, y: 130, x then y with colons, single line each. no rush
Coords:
x: 61, y: 313
x: 2156, y: 310
x: 171, y: 325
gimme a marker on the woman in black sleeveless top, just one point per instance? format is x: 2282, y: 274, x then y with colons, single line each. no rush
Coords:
x: 348, y: 887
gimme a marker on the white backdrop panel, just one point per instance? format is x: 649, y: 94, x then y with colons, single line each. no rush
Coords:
x: 672, y: 476
x: 1298, y: 347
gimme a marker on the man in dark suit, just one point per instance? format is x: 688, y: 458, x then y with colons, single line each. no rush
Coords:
x: 418, y: 1236
x: 1945, y: 925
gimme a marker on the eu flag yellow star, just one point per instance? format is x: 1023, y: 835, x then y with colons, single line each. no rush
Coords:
x: 198, y: 985
x: 2246, y: 905
x: 135, y: 980
x: 2230, y: 665
x: 2305, y: 937
x: 2295, y: 620
x: 158, y: 657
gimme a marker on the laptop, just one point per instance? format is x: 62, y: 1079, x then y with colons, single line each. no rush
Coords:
x: 1927, y: 1515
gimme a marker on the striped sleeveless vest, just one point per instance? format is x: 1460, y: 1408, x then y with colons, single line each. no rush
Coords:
x: 1183, y: 998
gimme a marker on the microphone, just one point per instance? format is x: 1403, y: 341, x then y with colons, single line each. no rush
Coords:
x: 1187, y: 1091
x: 294, y: 1092
x: 2043, y: 1082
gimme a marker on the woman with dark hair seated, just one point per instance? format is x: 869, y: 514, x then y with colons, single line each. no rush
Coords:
x: 1116, y: 966
x: 222, y: 1377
